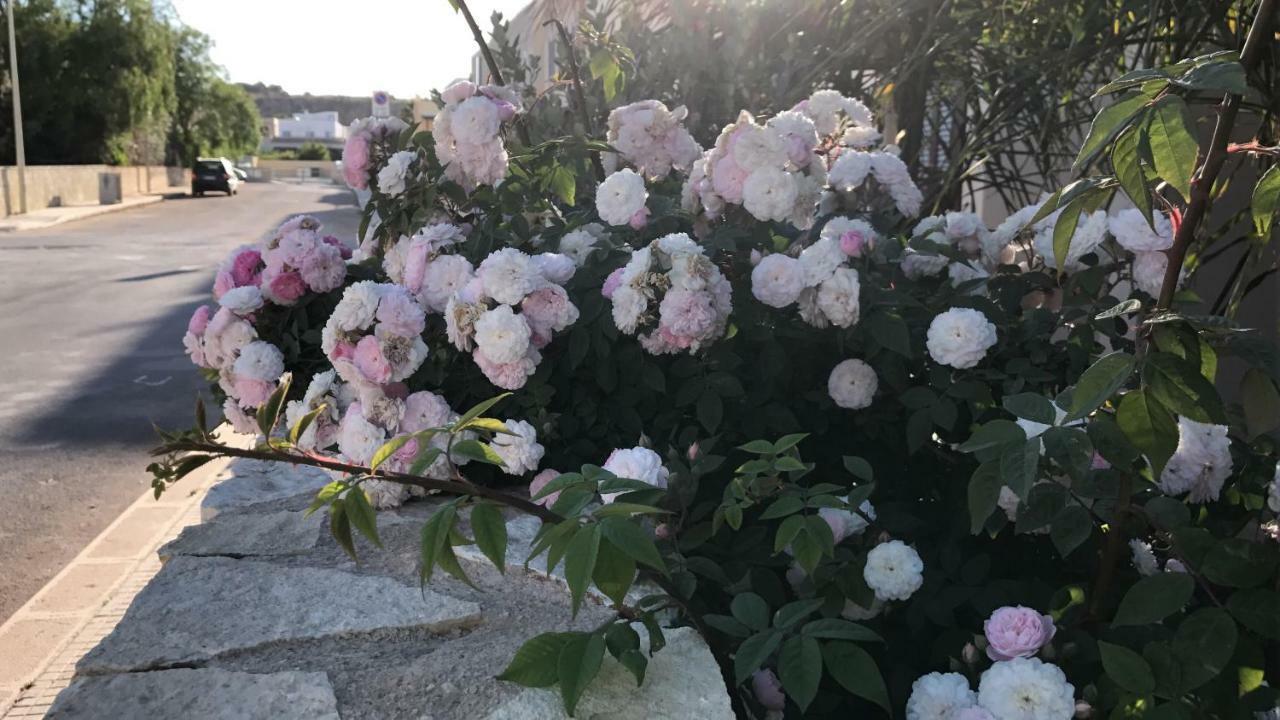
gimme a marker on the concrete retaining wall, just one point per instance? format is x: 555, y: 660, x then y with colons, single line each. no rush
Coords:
x: 296, y: 170
x: 55, y: 185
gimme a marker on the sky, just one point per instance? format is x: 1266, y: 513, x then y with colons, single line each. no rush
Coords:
x: 406, y: 47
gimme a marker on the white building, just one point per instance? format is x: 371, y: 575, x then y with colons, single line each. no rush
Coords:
x: 308, y: 126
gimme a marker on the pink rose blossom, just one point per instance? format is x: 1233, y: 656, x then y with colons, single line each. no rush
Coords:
x: 370, y: 361
x: 508, y: 376
x: 324, y: 269
x: 458, y: 91
x: 662, y: 531
x: 342, y: 247
x: 686, y: 317
x: 251, y: 393
x: 355, y: 161
x: 639, y: 219
x: 222, y: 283
x: 240, y: 420
x: 246, y: 268
x: 540, y: 481
x: 1017, y: 631
x: 1099, y: 462
x: 287, y: 287
x: 798, y: 151
x: 768, y: 690
x: 400, y: 314
x: 852, y: 243
x: 727, y: 178
x: 199, y: 320
x: 611, y: 283
x: 506, y: 110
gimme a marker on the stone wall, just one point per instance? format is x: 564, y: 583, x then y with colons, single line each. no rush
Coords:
x: 56, y: 185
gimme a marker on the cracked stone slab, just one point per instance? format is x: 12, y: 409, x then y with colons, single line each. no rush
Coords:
x: 197, y: 608
x: 682, y: 681
x: 248, y: 534
x: 207, y: 694
x: 256, y: 481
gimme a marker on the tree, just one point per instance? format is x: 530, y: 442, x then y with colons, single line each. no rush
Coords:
x: 212, y: 116
x: 313, y: 151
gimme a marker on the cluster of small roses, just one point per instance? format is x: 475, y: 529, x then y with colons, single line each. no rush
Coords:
x: 820, y: 281
x: 963, y: 232
x: 295, y: 260
x: 850, y: 171
x: 247, y: 367
x: 509, y: 311
x: 1017, y: 686
x: 651, y: 138
x: 361, y: 153
x: 468, y: 132
x: 423, y: 266
x: 771, y: 170
x: 374, y: 336
x: 673, y: 289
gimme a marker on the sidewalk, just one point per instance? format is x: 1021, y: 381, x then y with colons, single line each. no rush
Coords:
x: 47, y: 217
x: 41, y: 642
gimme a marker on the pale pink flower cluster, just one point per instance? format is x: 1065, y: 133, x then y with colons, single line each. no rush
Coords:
x: 1017, y: 632
x: 359, y: 151
x: 468, y: 132
x: 425, y: 267
x: 821, y: 281
x: 325, y: 389
x: 671, y: 289
x: 771, y: 170
x: 830, y: 112
x: 298, y: 259
x: 966, y: 234
x: 242, y: 268
x: 651, y: 138
x: 509, y: 311
x: 374, y: 336
x: 248, y: 368
x: 851, y: 170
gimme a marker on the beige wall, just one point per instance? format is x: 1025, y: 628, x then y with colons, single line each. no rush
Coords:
x: 53, y: 185
x: 267, y: 169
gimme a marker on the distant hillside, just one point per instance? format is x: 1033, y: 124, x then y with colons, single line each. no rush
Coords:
x: 274, y: 101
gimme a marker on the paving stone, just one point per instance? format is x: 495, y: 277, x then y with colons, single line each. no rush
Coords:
x: 207, y: 694
x: 682, y: 681
x: 256, y: 481
x: 199, y: 607
x: 248, y: 534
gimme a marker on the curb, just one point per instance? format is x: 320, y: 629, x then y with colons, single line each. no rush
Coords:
x: 17, y: 223
x: 41, y: 643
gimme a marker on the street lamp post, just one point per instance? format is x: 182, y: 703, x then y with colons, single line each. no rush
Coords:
x: 19, y: 151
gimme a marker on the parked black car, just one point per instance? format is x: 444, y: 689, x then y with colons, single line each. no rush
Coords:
x: 214, y: 174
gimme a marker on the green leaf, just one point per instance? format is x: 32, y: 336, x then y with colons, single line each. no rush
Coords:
x: 1258, y: 610
x: 563, y: 183
x: 635, y: 662
x: 856, y: 671
x: 387, y: 449
x: 800, y: 669
x: 536, y: 662
x: 1108, y: 123
x: 577, y: 666
x: 752, y: 653
x: 783, y: 507
x: 615, y: 572
x: 479, y: 409
x: 633, y: 540
x: 837, y: 629
x: 269, y: 411
x: 1266, y: 199
x: 1126, y: 160
x: 1224, y: 76
x: 1236, y: 562
x: 425, y: 458
x: 1154, y: 598
x: 1173, y: 146
x: 993, y: 434
x: 1070, y: 448
x: 1260, y: 400
x: 786, y: 442
x: 1134, y: 78
x: 794, y: 612
x: 1149, y: 427
x: 786, y: 463
x: 362, y: 515
x: 984, y: 493
x: 1127, y: 668
x: 580, y: 562
x: 1166, y: 513
x: 476, y: 450
x: 859, y: 468
x: 1110, y: 442
x: 1127, y: 307
x: 1033, y: 407
x: 1204, y: 644
x: 1099, y: 383
x: 1020, y: 466
x: 1180, y: 387
x: 1070, y: 528
x: 491, y: 534
x: 787, y: 532
x: 435, y: 536
x: 890, y: 330
x: 1064, y: 229
x: 710, y: 410
x: 758, y: 447
x: 304, y: 422
x: 493, y: 425
x: 340, y: 528
x: 751, y: 610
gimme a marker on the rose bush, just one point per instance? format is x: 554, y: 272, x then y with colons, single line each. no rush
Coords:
x: 885, y: 464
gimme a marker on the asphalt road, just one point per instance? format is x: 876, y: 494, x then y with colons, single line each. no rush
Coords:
x: 92, y: 315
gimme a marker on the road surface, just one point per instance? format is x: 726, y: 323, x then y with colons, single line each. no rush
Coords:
x: 92, y: 315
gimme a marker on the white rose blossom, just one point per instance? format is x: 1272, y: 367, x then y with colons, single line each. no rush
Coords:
x: 960, y: 337
x: 393, y: 176
x: 518, y: 448
x: 1201, y: 463
x: 502, y: 335
x: 894, y: 570
x: 621, y: 196
x: 242, y: 300
x: 1026, y: 689
x: 852, y: 384
x: 637, y: 463
x: 777, y: 280
x: 937, y: 695
x: 1134, y: 234
x: 508, y: 275
x: 838, y: 297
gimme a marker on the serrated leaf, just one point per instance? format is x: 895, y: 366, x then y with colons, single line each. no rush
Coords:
x: 1070, y: 527
x: 362, y: 514
x: 783, y: 507
x: 1181, y: 388
x: 490, y: 531
x: 751, y: 610
x: 752, y: 653
x: 476, y: 450
x: 614, y: 573
x: 758, y: 447
x: 1126, y: 160
x: 800, y: 669
x: 983, y: 495
x: 1173, y: 146
x: 630, y: 538
x: 859, y: 468
x: 340, y: 528
x: 479, y: 409
x: 387, y: 449
x: 794, y: 612
x: 1266, y: 200
x: 299, y: 428
x: 577, y: 666
x: 1108, y: 123
x: 1127, y: 668
x: 1149, y: 426
x: 856, y: 671
x: 1099, y: 383
x: 1031, y: 406
x: 435, y: 536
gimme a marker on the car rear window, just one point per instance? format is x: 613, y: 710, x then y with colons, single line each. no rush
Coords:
x: 209, y: 165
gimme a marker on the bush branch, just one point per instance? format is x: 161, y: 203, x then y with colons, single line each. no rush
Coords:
x: 580, y: 98
x: 489, y: 60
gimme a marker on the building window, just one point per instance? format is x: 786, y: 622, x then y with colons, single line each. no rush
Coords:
x: 286, y: 133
